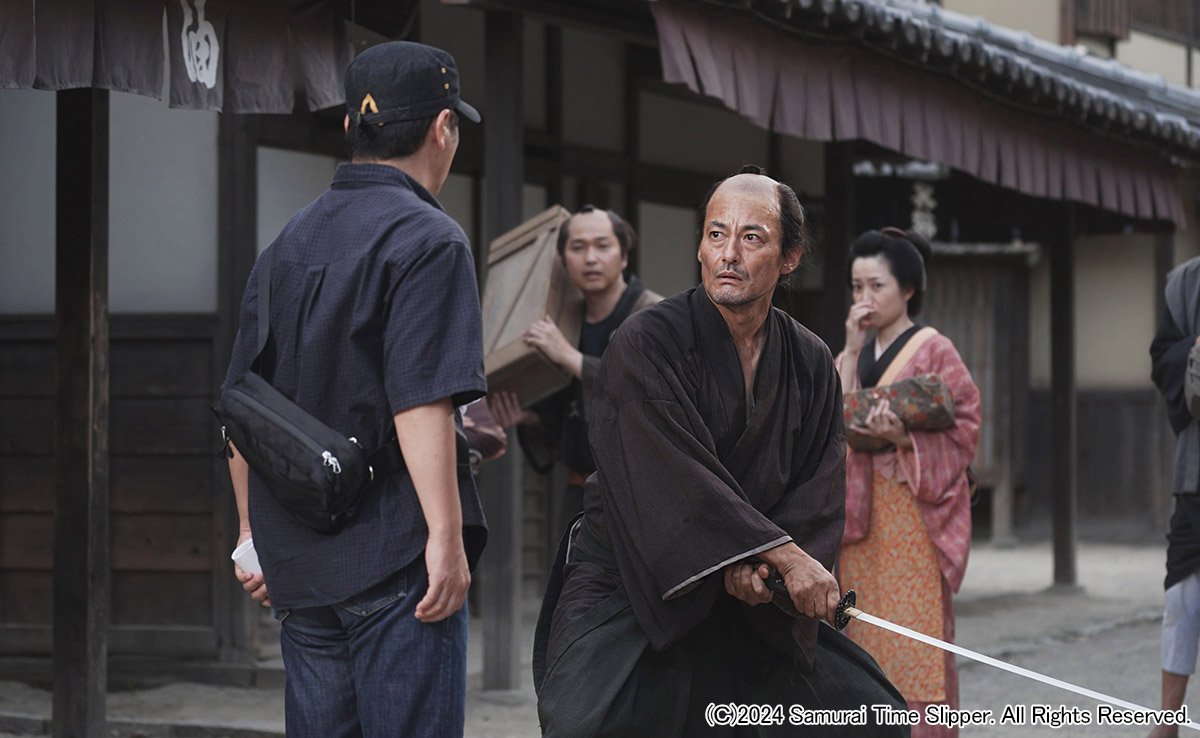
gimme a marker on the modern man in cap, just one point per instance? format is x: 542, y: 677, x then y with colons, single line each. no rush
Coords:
x: 716, y: 425
x: 594, y: 246
x: 375, y: 330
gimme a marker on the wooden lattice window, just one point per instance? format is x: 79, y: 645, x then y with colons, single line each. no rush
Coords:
x: 1177, y: 19
x: 1104, y: 18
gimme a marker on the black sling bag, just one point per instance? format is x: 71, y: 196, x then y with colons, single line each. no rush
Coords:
x: 314, y: 472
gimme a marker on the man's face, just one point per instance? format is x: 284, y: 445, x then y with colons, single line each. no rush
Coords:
x: 592, y: 254
x: 740, y: 253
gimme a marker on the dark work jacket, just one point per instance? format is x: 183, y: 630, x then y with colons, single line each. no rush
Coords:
x: 563, y: 428
x: 690, y: 478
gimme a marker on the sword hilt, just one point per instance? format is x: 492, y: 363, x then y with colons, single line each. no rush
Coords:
x: 846, y: 606
x: 846, y: 609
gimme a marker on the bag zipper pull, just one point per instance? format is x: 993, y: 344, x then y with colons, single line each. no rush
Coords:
x: 227, y: 450
x: 332, y: 462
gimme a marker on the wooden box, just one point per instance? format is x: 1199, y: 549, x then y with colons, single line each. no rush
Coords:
x: 525, y: 281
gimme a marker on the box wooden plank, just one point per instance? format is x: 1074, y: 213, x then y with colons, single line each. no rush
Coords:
x: 526, y: 281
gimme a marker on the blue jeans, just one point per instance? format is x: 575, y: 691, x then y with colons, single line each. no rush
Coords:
x: 368, y: 667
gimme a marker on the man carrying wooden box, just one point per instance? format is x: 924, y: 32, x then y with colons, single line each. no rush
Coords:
x: 594, y: 246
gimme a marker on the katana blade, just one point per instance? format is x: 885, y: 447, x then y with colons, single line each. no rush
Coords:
x: 854, y: 612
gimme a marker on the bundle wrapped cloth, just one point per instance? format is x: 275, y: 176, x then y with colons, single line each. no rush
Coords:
x: 923, y: 402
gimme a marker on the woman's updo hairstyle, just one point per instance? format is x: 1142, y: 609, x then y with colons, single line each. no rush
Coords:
x: 904, y: 252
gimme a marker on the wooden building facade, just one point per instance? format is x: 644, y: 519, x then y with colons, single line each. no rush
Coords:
x: 582, y: 103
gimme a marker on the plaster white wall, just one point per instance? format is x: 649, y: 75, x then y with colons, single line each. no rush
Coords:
x: 1155, y: 55
x: 1114, y: 306
x: 27, y: 201
x: 162, y: 207
x: 1114, y: 313
x: 1038, y: 17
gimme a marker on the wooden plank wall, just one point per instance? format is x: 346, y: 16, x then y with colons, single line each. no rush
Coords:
x: 163, y: 526
x: 966, y: 301
x: 1126, y: 452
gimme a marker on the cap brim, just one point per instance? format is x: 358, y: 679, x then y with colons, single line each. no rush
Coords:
x: 468, y: 111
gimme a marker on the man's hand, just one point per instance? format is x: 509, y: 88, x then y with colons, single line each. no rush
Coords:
x: 813, y: 589
x: 745, y: 582
x: 449, y: 578
x: 507, y: 411
x: 545, y: 336
x: 252, y: 583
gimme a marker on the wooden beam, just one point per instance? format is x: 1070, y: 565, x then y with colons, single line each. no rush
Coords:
x: 839, y: 231
x: 1063, y: 474
x: 81, y: 581
x: 504, y: 171
x: 1067, y: 22
x: 627, y: 21
x: 1164, y: 262
x: 1016, y: 324
x: 238, y: 137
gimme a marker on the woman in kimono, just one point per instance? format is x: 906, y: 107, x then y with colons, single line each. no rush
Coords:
x: 908, y: 515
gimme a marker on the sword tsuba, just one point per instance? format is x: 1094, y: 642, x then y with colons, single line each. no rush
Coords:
x: 847, y: 603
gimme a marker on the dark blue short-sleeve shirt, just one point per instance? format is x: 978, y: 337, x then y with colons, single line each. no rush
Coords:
x: 374, y: 309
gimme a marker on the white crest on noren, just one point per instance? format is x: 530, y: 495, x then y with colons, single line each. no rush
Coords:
x: 201, y: 50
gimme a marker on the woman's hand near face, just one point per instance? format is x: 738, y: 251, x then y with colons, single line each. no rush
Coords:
x: 856, y: 331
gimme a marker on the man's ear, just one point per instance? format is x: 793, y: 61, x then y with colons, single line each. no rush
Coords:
x: 791, y: 260
x: 346, y: 124
x: 442, y: 129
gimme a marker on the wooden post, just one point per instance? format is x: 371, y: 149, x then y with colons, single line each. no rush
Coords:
x: 1063, y: 407
x: 1010, y: 302
x: 234, y: 613
x: 1159, y: 479
x: 839, y: 232
x: 504, y: 173
x: 1164, y: 262
x: 81, y: 569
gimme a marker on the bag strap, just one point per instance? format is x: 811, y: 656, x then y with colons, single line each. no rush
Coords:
x: 388, y: 457
x: 264, y: 306
x: 910, y: 349
x: 385, y: 459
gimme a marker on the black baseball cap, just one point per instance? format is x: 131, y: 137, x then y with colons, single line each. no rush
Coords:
x: 402, y: 80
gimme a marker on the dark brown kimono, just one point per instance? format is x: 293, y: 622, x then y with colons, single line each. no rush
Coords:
x: 691, y: 477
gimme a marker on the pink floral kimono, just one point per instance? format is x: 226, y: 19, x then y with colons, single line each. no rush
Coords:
x: 908, y: 531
